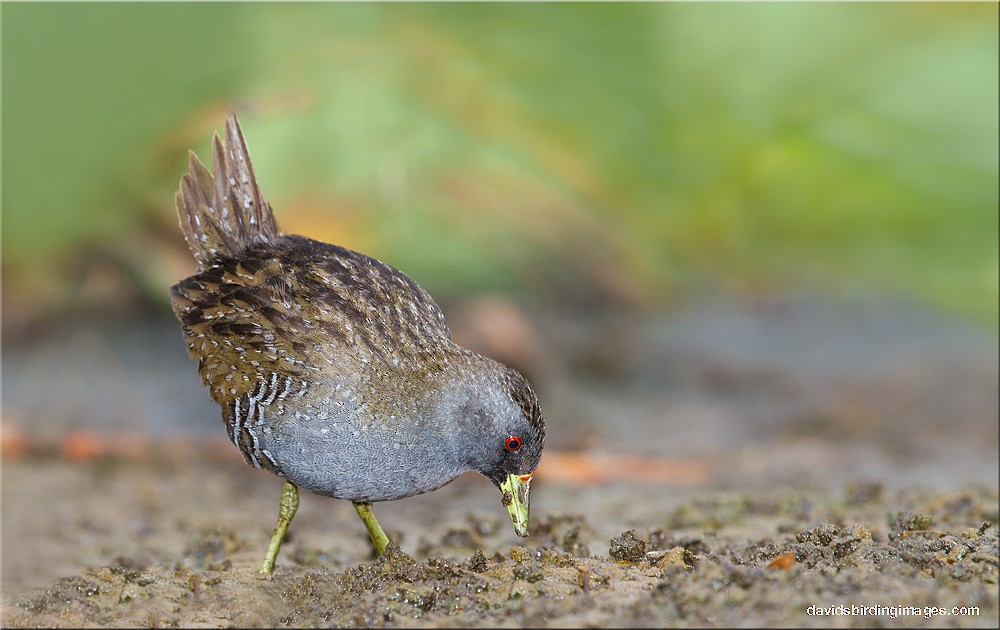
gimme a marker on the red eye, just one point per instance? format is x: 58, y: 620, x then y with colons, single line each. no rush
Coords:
x: 513, y: 443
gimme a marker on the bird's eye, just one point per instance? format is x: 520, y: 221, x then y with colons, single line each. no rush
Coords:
x: 513, y: 443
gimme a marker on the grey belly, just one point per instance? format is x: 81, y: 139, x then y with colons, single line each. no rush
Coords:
x: 339, y: 457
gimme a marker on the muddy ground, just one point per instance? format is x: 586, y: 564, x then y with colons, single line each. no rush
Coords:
x: 178, y: 543
x: 718, y: 467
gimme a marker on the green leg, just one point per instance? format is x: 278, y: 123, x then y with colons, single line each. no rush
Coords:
x: 379, y: 539
x: 286, y: 510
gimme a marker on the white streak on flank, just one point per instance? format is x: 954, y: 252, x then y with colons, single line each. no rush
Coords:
x: 254, y: 418
x: 266, y: 453
x: 274, y: 388
x: 258, y: 393
x: 236, y: 422
x: 253, y: 436
x: 251, y: 458
x: 288, y: 388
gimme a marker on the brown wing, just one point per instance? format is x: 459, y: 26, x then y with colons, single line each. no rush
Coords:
x: 301, y: 309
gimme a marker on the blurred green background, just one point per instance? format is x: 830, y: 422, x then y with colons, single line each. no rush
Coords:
x: 636, y: 154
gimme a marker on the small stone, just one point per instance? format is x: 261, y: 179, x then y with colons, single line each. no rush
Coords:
x: 673, y: 557
x: 519, y: 554
x: 910, y: 522
x: 628, y: 547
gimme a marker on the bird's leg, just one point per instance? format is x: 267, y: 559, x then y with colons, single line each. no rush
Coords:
x: 286, y: 510
x: 379, y: 539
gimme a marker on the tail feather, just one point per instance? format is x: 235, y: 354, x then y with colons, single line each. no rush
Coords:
x: 223, y: 214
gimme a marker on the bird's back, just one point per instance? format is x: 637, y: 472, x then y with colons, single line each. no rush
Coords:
x: 300, y: 304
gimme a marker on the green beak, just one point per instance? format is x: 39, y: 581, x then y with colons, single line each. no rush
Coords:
x: 515, y: 497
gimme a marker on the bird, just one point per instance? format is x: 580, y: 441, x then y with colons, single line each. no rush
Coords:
x: 333, y: 370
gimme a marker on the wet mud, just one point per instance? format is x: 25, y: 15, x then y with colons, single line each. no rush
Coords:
x: 717, y: 559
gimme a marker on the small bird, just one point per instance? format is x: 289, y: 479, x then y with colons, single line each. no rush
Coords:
x: 334, y: 370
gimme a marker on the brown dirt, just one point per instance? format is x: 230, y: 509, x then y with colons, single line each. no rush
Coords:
x: 176, y: 542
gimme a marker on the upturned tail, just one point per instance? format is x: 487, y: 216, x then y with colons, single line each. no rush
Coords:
x: 223, y: 214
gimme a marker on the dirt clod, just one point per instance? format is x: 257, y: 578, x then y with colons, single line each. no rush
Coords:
x: 910, y: 522
x: 628, y: 547
x: 772, y: 557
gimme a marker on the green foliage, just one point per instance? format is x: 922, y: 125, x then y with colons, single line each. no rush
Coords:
x: 639, y: 148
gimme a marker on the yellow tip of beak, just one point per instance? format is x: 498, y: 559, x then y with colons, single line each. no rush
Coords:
x: 515, y: 497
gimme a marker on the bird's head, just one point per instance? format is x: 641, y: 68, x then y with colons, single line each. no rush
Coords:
x: 510, y: 433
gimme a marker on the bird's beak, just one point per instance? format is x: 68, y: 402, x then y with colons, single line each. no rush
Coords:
x: 515, y: 497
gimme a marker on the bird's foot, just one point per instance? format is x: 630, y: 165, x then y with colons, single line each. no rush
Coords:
x: 286, y: 510
x: 379, y: 539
